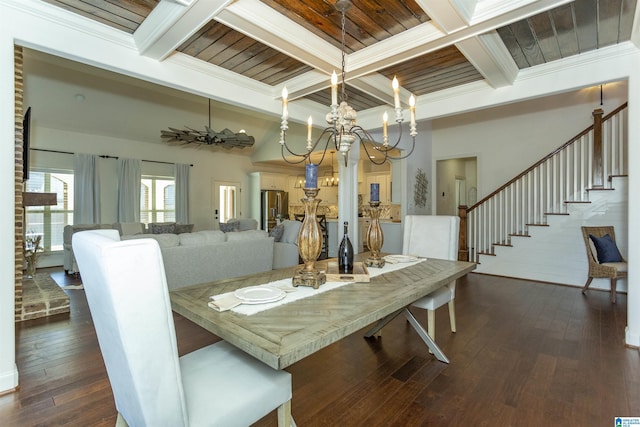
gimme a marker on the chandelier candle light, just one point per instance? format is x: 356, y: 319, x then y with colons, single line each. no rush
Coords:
x: 375, y: 239
x: 343, y: 131
x: 310, y: 236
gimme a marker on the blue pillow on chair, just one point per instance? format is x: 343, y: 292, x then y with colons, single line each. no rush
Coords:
x: 606, y: 248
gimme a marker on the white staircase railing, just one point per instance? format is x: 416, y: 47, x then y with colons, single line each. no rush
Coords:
x: 566, y: 175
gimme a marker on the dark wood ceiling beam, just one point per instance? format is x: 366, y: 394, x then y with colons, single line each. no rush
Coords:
x: 107, y: 13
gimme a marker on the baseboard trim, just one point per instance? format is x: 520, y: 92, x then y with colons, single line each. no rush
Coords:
x: 9, y: 381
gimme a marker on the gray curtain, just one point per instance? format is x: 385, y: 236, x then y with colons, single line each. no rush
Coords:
x: 182, y: 193
x: 129, y: 177
x: 86, y: 189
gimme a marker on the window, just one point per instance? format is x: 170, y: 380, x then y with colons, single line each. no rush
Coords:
x: 157, y: 199
x: 49, y: 221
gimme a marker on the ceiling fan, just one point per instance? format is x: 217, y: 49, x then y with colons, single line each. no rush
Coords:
x: 209, y: 137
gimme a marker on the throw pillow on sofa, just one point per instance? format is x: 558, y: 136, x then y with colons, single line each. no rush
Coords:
x: 276, y: 232
x: 291, y: 230
x: 244, y: 224
x: 183, y: 228
x: 228, y: 227
x: 162, y: 227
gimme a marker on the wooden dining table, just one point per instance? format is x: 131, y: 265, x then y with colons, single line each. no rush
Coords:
x: 285, y: 334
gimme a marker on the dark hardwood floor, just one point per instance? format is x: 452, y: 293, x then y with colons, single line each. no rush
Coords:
x: 525, y: 354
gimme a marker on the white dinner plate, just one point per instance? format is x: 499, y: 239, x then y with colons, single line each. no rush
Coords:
x: 401, y: 258
x: 259, y: 294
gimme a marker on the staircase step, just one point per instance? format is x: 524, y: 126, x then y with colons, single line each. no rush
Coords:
x: 617, y: 176
x: 557, y: 213
x: 486, y: 253
x: 600, y: 189
x: 537, y: 225
x: 518, y: 235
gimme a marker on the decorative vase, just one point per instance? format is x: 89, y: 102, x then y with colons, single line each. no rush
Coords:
x: 310, y: 243
x: 32, y: 265
x: 374, y: 237
x: 31, y: 252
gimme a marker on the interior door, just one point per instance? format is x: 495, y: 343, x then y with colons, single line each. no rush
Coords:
x: 225, y: 201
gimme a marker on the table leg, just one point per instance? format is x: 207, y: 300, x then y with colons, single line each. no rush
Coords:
x: 381, y: 324
x: 418, y: 328
x: 425, y: 336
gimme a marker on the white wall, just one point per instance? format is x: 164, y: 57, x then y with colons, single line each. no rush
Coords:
x: 420, y: 159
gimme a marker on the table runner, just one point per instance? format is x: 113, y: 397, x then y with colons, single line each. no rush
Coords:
x: 301, y: 292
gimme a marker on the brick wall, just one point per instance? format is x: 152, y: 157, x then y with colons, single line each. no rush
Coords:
x: 18, y: 76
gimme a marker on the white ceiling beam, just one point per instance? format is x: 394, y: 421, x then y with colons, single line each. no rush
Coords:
x: 304, y: 84
x: 446, y: 15
x: 488, y: 54
x: 260, y: 22
x: 378, y: 86
x: 171, y: 23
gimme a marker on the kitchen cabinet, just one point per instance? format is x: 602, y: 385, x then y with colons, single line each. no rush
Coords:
x: 272, y: 181
x: 385, y: 188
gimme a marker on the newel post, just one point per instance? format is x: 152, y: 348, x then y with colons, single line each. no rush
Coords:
x: 598, y: 170
x: 463, y: 250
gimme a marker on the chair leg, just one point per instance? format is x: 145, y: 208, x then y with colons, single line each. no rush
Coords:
x: 284, y: 415
x: 452, y: 315
x: 613, y: 290
x: 120, y: 422
x: 431, y: 324
x: 586, y: 285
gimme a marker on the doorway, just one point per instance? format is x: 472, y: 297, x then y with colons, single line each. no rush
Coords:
x: 225, y: 202
x: 454, y: 179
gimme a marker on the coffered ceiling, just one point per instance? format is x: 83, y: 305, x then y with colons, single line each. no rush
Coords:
x: 430, y: 45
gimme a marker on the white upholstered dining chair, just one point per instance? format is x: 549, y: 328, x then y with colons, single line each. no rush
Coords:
x: 218, y: 385
x: 434, y: 236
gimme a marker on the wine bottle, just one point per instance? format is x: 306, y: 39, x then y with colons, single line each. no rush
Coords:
x: 345, y: 252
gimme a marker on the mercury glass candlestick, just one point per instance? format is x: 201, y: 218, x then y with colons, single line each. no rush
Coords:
x: 374, y: 237
x: 309, y: 243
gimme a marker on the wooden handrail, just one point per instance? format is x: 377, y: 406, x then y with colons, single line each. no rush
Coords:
x: 548, y: 156
x: 463, y: 250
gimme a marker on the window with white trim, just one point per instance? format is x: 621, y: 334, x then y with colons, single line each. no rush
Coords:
x: 157, y: 199
x: 49, y: 221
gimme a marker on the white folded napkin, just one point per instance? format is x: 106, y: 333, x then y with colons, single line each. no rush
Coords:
x: 224, y: 302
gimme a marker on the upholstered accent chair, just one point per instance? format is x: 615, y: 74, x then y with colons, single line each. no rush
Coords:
x: 434, y: 236
x: 219, y: 384
x: 605, y: 260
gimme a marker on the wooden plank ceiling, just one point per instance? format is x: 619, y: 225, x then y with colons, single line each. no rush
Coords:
x: 570, y: 29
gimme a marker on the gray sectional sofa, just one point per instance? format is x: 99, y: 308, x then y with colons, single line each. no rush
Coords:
x: 203, y: 256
